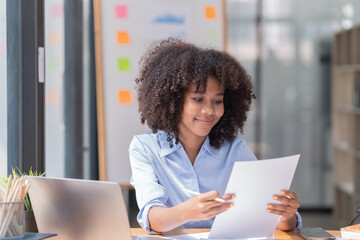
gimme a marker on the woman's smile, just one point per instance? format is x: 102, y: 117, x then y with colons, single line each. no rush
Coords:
x: 205, y: 121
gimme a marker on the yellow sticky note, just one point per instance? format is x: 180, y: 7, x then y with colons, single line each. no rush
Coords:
x: 53, y: 64
x: 123, y: 37
x: 124, y: 65
x: 210, y: 12
x: 124, y: 96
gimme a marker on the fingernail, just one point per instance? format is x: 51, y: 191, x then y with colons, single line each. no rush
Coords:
x: 282, y: 192
x: 233, y: 196
x: 275, y: 197
x: 269, y: 206
x: 268, y: 210
x: 232, y: 204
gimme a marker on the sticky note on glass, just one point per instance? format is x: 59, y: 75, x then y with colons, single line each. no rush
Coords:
x: 124, y: 96
x: 124, y: 64
x: 121, y: 11
x: 210, y: 12
x: 57, y: 11
x: 54, y: 37
x: 52, y: 96
x: 123, y: 37
x: 53, y: 65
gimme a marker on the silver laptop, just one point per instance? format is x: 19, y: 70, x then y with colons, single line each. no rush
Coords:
x: 80, y: 209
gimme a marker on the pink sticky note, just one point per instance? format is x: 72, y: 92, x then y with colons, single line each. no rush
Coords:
x: 57, y: 11
x: 121, y: 11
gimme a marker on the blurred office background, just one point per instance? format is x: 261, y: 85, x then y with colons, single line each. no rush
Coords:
x: 285, y: 45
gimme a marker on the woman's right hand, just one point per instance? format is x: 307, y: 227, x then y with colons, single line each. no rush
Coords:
x: 204, y: 206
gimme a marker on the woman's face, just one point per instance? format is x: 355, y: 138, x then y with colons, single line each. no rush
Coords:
x: 202, y: 110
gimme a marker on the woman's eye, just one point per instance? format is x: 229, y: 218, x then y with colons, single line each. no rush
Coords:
x: 198, y: 99
x: 218, y: 101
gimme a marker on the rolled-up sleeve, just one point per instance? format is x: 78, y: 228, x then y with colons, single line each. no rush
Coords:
x: 149, y: 193
x: 299, y: 221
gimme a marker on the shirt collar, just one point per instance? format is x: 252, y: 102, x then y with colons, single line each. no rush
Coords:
x: 165, y: 146
x: 166, y: 149
x: 210, y: 149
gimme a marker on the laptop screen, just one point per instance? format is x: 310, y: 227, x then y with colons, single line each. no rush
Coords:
x: 79, y: 209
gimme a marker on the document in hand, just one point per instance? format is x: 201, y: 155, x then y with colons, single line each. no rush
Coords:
x: 254, y: 183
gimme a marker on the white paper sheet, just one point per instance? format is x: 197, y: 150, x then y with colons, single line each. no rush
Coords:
x: 254, y: 183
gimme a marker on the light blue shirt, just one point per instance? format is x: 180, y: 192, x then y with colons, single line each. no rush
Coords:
x: 160, y: 173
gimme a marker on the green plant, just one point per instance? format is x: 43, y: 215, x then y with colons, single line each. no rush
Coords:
x: 18, y: 173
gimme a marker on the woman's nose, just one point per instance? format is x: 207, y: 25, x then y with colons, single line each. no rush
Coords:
x: 208, y: 109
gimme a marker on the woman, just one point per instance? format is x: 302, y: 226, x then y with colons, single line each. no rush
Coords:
x: 195, y: 101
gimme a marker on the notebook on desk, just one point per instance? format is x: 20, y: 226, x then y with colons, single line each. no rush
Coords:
x: 80, y: 209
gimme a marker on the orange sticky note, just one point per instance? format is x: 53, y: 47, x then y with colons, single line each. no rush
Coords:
x: 124, y: 96
x: 54, y: 37
x: 123, y: 37
x: 210, y: 12
x: 52, y: 96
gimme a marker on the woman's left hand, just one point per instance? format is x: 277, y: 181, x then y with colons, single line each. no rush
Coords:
x: 287, y: 210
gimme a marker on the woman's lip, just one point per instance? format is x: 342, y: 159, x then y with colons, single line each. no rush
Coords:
x: 205, y: 121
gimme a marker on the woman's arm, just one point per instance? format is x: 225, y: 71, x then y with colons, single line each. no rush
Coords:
x: 202, y: 207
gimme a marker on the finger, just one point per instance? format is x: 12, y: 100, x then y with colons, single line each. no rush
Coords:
x: 289, y: 194
x: 214, y: 211
x: 228, y: 197
x: 283, y: 208
x: 208, y: 196
x: 291, y: 202
x: 206, y: 205
x: 286, y: 215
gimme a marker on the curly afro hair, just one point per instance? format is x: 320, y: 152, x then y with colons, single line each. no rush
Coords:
x: 166, y: 71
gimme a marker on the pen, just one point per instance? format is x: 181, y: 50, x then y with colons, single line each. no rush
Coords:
x: 197, y: 194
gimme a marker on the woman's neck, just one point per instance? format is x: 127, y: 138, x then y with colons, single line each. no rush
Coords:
x: 192, y: 146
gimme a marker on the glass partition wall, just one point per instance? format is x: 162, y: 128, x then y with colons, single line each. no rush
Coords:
x: 291, y: 71
x: 57, y: 112
x: 3, y: 92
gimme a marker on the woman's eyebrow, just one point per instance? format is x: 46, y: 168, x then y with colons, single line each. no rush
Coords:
x: 198, y: 91
x: 203, y: 92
